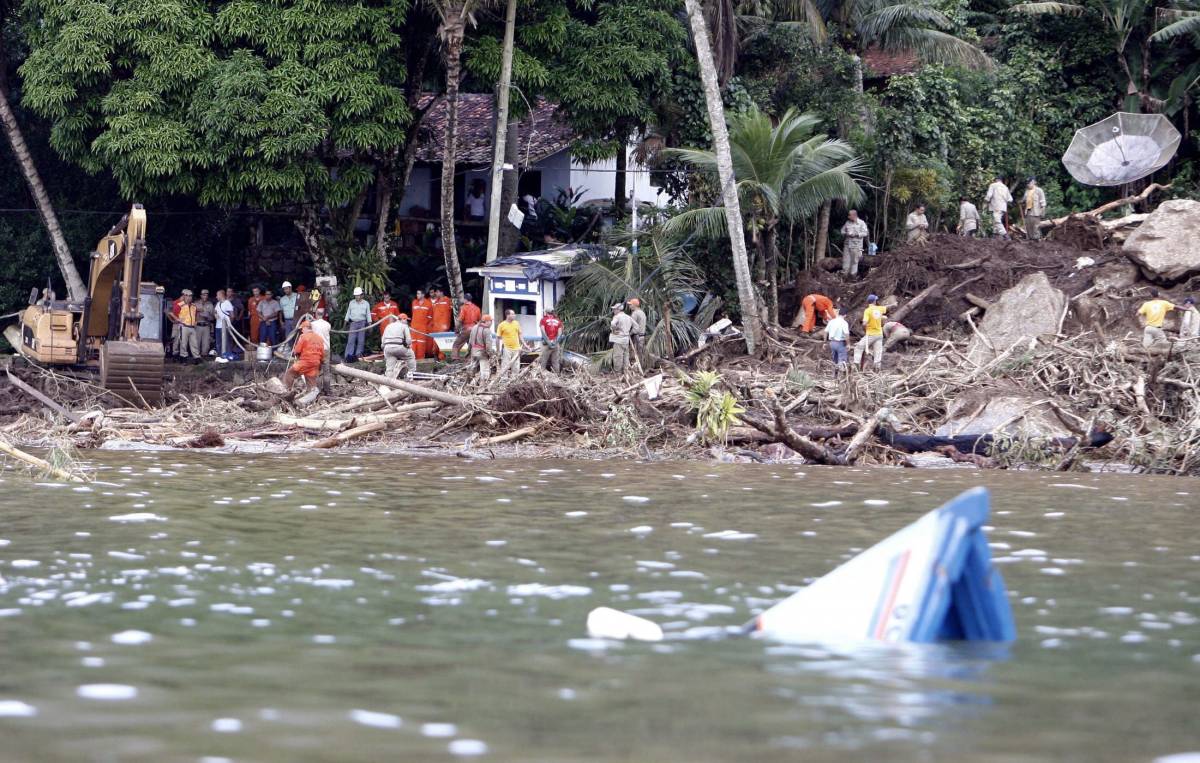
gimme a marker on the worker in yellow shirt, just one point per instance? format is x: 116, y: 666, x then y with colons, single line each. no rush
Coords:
x: 1153, y: 312
x: 511, y: 344
x: 872, y: 340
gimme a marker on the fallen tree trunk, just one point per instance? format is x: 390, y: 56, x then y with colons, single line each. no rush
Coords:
x: 41, y: 398
x: 368, y: 402
x: 38, y: 463
x: 337, y: 425
x: 516, y: 434
x: 1145, y: 194
x: 344, y: 437
x: 783, y: 432
x: 916, y: 301
x: 413, y: 389
x: 864, y: 434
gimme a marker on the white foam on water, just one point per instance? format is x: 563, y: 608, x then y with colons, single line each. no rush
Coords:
x: 439, y: 730
x: 635, y: 499
x: 549, y: 591
x: 376, y: 720
x: 1030, y: 552
x: 455, y: 585
x: 107, y: 692
x: 503, y: 500
x: 731, y: 535
x: 575, y: 514
x: 467, y: 748
x: 324, y: 638
x: 140, y: 516
x: 1115, y: 611
x: 1072, y: 485
x: 488, y: 478
x: 1022, y: 533
x: 1052, y: 571
x: 682, y: 524
x: 1179, y: 757
x: 126, y: 556
x: 24, y: 563
x: 92, y: 662
x: 876, y: 502
x: 15, y: 708
x: 132, y: 638
x: 655, y: 565
x: 825, y: 504
x: 226, y: 725
x: 335, y: 583
x: 641, y: 530
x: 4, y: 542
x: 496, y: 543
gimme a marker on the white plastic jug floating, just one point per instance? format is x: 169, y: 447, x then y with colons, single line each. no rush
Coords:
x: 263, y: 353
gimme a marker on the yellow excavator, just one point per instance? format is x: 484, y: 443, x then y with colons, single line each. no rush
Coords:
x: 118, y: 328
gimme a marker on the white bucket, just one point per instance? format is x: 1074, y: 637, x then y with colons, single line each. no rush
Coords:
x: 263, y: 353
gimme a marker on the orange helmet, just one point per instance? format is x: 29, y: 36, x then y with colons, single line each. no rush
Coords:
x: 485, y: 317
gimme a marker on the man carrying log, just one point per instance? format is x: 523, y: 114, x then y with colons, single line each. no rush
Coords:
x: 1153, y: 312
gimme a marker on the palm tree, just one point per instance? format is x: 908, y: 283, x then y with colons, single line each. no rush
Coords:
x: 661, y: 273
x: 16, y: 140
x: 454, y: 16
x: 751, y: 322
x: 786, y: 173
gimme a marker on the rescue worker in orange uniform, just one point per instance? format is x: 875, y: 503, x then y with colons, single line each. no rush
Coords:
x: 814, y: 305
x: 442, y: 318
x: 422, y: 320
x: 256, y: 296
x: 383, y: 308
x: 307, y: 356
x: 468, y: 316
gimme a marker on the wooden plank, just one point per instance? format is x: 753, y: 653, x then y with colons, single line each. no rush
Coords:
x: 37, y: 395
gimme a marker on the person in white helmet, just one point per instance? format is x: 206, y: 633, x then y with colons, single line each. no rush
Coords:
x: 358, y: 315
x: 287, y: 308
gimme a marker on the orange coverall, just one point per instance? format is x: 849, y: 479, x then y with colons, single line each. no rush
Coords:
x: 443, y: 311
x: 252, y: 310
x: 422, y: 319
x: 814, y: 304
x: 309, y: 352
x: 381, y: 309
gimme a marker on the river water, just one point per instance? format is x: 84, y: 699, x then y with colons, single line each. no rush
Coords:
x: 340, y: 607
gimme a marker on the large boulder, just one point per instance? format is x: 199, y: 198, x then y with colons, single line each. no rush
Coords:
x: 1014, y: 415
x: 1167, y: 245
x: 1031, y: 308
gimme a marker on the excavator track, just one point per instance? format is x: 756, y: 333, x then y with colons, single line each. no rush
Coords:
x: 133, y: 371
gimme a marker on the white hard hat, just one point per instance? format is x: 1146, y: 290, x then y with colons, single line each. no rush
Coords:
x: 358, y: 291
x: 286, y: 285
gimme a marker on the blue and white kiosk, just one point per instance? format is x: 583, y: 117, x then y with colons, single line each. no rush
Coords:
x: 531, y: 282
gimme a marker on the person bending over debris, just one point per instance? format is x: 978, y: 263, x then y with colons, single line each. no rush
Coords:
x: 618, y: 336
x: 551, y: 357
x: 917, y: 225
x: 968, y: 218
x: 399, y: 359
x: 837, y: 330
x: 482, y: 342
x: 307, y: 356
x: 855, y: 233
x: 1153, y: 312
x: 1035, y: 209
x: 873, y: 334
x: 814, y: 305
x: 1189, y: 321
x: 997, y: 200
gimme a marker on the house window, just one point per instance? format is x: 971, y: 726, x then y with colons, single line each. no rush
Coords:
x: 530, y: 184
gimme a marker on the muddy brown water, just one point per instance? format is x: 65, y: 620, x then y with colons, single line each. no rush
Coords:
x: 341, y: 607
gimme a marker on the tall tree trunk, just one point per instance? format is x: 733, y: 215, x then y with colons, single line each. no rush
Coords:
x: 499, y: 154
x: 62, y: 253
x: 350, y: 222
x: 453, y: 35
x: 620, y: 194
x: 309, y: 225
x: 822, y: 245
x: 864, y: 114
x: 510, y: 235
x: 383, y: 201
x: 771, y: 245
x: 733, y: 210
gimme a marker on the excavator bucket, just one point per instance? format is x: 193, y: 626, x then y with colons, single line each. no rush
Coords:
x: 133, y: 371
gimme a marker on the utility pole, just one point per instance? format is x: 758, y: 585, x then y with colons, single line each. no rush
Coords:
x: 493, y: 239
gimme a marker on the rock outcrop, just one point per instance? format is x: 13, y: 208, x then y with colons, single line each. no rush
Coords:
x: 1031, y: 308
x: 1014, y: 415
x: 1167, y: 245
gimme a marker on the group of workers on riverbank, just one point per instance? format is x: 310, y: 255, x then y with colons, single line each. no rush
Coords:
x: 997, y: 200
x: 1153, y: 313
x: 876, y: 328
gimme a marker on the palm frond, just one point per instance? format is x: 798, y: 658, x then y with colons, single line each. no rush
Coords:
x: 876, y: 24
x: 1051, y: 8
x: 1186, y: 23
x: 702, y: 222
x: 805, y: 14
x: 936, y: 46
x: 805, y: 197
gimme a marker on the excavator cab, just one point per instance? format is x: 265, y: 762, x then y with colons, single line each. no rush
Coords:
x: 117, y: 329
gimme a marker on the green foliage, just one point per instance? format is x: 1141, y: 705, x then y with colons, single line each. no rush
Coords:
x: 252, y: 101
x: 362, y: 267
x: 716, y: 410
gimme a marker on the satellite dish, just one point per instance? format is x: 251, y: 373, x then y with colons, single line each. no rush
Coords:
x: 1121, y: 148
